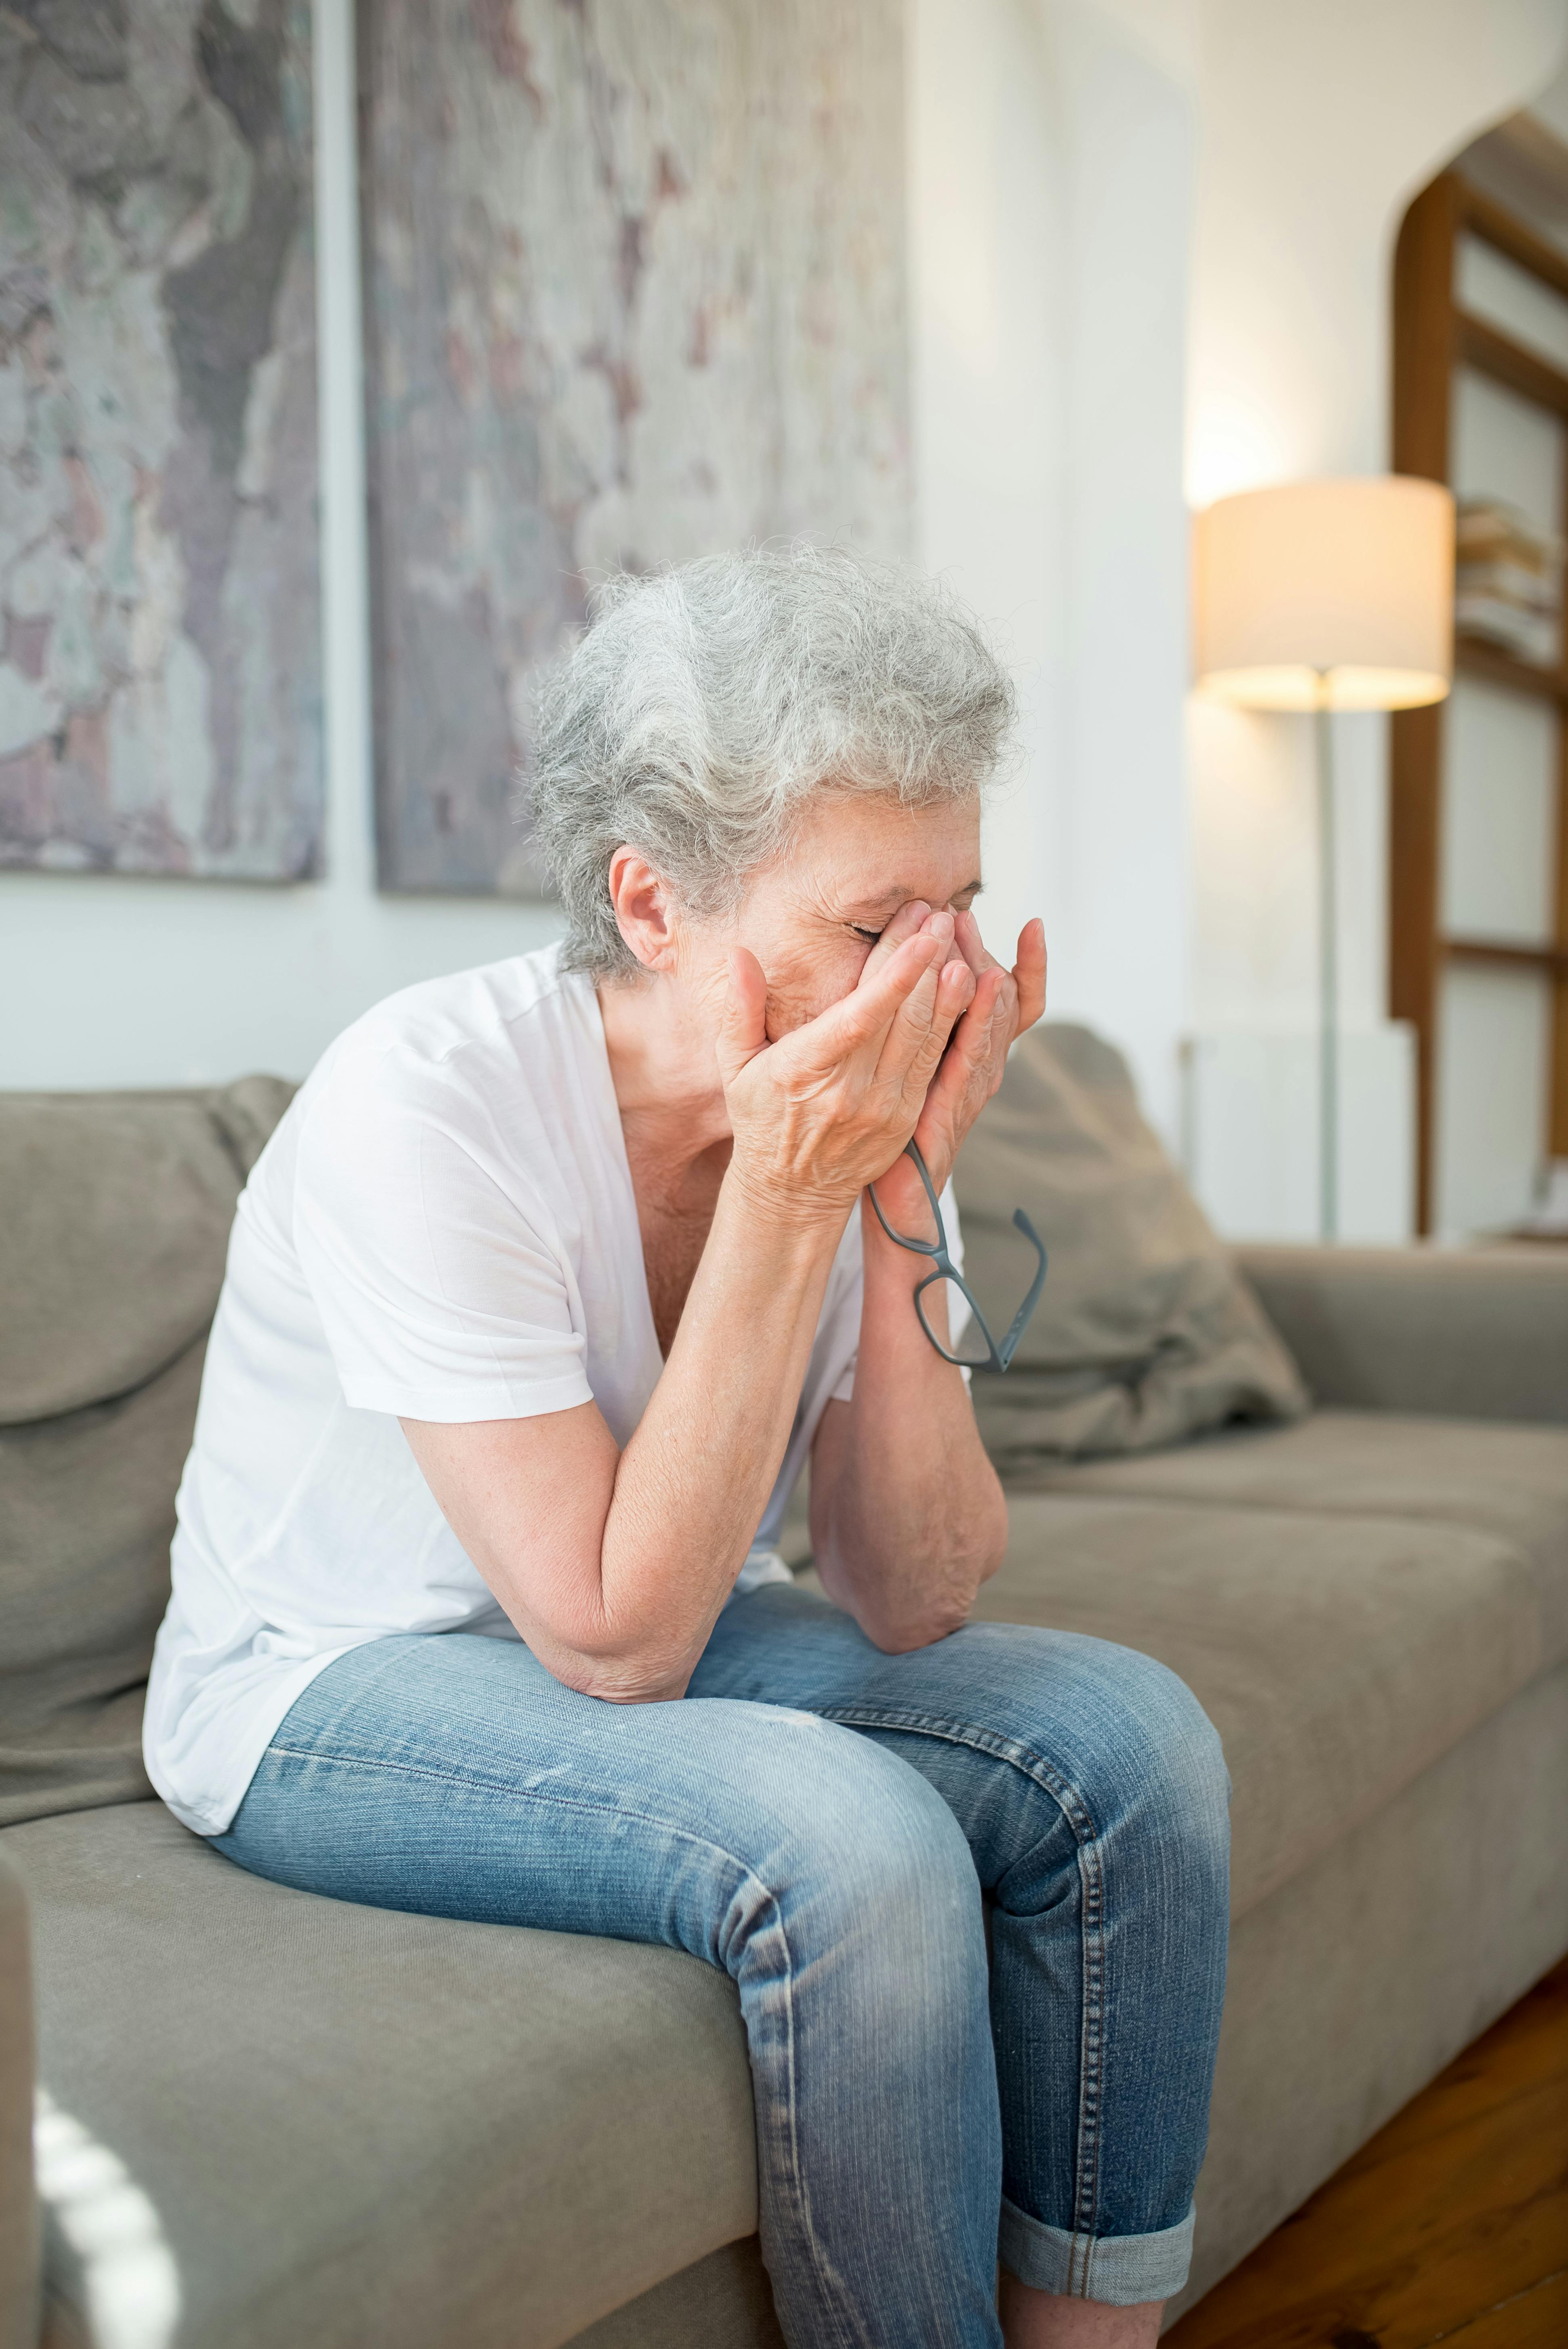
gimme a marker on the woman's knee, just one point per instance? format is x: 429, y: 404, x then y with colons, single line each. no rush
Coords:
x: 1157, y: 1759
x: 874, y: 1852
x: 1121, y: 1734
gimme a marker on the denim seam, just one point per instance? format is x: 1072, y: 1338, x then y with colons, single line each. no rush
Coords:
x: 476, y: 1780
x: 1091, y: 2054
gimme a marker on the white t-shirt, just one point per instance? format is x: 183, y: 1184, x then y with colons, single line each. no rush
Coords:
x: 444, y: 1226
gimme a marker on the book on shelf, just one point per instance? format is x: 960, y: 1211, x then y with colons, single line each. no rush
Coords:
x: 1508, y: 581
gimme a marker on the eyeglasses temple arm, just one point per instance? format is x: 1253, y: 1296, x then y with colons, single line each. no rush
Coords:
x: 912, y: 1150
x: 1008, y: 1346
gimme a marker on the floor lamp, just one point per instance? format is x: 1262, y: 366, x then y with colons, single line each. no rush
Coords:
x: 1319, y: 597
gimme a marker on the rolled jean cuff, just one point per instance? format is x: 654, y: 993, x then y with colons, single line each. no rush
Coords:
x: 1120, y: 2269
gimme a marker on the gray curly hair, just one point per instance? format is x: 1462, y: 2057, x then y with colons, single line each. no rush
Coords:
x: 707, y: 702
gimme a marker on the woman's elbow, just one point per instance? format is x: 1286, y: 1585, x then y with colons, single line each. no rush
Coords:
x: 921, y: 1620
x: 901, y: 1635
x: 638, y: 1688
x: 613, y: 1674
x: 994, y: 1536
x: 622, y: 1681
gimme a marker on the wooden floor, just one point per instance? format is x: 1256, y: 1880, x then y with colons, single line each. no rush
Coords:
x: 1452, y: 2225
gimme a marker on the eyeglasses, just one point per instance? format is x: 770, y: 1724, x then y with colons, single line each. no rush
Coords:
x: 996, y: 1356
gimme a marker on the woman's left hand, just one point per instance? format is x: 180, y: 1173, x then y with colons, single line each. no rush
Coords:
x: 1005, y: 1002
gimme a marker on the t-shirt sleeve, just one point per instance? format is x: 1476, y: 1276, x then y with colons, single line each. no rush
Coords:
x: 442, y: 1291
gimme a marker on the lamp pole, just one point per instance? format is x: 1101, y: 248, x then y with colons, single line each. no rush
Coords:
x: 1309, y: 595
x: 1327, y: 975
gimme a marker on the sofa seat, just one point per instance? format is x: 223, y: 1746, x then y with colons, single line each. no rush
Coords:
x: 377, y: 2129
x: 1503, y: 1479
x: 344, y: 2125
x: 1338, y: 1656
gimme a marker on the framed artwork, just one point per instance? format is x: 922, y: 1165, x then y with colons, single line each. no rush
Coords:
x: 634, y: 291
x: 159, y: 661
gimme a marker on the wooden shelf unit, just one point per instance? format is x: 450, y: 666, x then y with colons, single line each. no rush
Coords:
x: 1432, y: 336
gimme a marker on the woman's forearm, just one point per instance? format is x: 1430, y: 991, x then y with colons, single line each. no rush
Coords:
x: 908, y: 1518
x: 692, y: 1484
x: 614, y: 1565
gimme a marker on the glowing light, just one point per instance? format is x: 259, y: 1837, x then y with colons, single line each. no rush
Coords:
x: 1234, y: 445
x: 128, y: 2269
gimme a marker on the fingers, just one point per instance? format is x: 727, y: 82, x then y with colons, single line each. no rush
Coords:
x: 908, y: 919
x: 1029, y: 974
x: 1005, y: 1002
x: 972, y: 1014
x: 994, y: 983
x: 917, y: 1036
x: 956, y: 994
x: 972, y: 945
x: 861, y: 1019
x: 743, y: 1025
x: 971, y: 1068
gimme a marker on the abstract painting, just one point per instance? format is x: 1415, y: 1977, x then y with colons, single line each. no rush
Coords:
x: 159, y: 661
x: 634, y: 291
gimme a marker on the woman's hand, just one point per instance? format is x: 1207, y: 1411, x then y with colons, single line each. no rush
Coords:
x: 1002, y: 1005
x: 829, y: 1108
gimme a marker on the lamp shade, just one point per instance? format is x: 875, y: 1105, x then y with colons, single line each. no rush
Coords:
x: 1336, y: 594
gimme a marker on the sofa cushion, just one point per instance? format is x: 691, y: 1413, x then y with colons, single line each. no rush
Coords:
x: 18, y: 2214
x: 1145, y: 1331
x: 355, y: 2127
x: 1507, y: 1481
x: 87, y: 1514
x: 114, y: 1219
x: 115, y: 1211
x: 1338, y: 1656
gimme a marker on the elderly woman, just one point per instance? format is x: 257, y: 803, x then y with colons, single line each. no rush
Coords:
x: 549, y: 1282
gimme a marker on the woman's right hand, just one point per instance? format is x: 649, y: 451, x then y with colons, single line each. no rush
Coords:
x: 827, y: 1109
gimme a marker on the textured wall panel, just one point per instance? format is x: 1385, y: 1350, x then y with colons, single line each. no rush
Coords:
x: 159, y: 665
x: 634, y: 291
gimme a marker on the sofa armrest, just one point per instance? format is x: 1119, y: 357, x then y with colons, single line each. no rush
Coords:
x: 1478, y: 1333
x: 19, y: 2204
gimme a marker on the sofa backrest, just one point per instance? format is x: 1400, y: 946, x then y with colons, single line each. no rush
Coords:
x: 115, y: 1211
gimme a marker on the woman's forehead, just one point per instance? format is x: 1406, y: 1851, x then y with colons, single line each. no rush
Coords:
x: 882, y: 902
x: 883, y: 853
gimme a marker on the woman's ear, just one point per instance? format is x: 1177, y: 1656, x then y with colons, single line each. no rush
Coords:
x: 646, y: 911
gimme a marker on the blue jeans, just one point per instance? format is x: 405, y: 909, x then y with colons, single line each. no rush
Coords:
x: 823, y: 1820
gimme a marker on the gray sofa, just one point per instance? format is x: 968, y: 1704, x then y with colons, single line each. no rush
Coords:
x: 268, y: 2119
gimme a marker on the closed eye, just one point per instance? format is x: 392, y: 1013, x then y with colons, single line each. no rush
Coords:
x: 861, y: 932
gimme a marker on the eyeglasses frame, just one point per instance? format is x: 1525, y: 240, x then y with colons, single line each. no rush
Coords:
x: 999, y: 1357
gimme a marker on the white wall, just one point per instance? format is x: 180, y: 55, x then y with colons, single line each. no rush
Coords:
x: 1051, y: 162
x: 1319, y: 123
x: 1050, y: 186
x: 1128, y: 142
x: 986, y: 285
x: 1121, y: 210
x: 1189, y: 274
